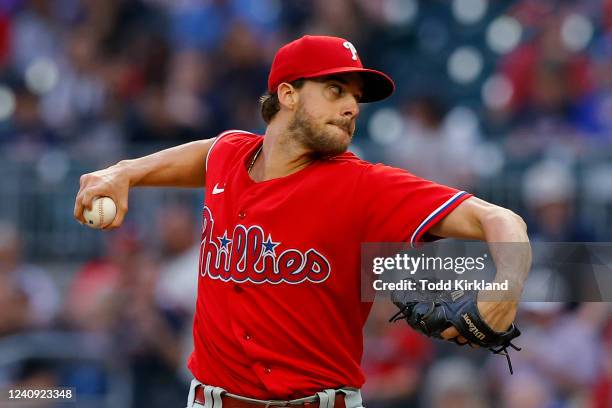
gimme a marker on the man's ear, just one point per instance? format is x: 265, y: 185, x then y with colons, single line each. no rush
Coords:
x: 287, y: 95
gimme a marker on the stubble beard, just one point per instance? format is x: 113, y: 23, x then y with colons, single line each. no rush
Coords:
x: 315, y: 138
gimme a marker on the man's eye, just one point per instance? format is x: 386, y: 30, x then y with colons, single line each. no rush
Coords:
x: 336, y: 89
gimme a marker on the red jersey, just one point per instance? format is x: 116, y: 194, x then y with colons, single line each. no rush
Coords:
x: 279, y: 312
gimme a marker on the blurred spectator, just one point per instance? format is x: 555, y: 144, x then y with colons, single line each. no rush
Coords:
x: 5, y: 29
x: 178, y: 269
x: 594, y: 113
x: 35, y: 33
x: 188, y: 94
x: 147, y: 334
x: 528, y: 391
x: 546, y: 75
x: 198, y: 24
x: 343, y: 18
x: 454, y: 382
x: 549, y: 191
x: 180, y: 249
x: 560, y: 355
x: 430, y: 148
x: 80, y: 92
x: 244, y: 76
x: 394, y: 359
x: 602, y: 392
x: 28, y: 297
x: 26, y: 135
x: 116, y: 298
x: 88, y: 304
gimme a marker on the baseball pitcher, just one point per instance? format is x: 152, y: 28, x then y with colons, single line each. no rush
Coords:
x: 279, y: 315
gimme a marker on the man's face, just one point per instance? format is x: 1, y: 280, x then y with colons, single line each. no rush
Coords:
x: 324, y: 119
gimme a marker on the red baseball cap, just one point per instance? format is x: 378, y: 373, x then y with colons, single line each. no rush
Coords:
x: 316, y: 56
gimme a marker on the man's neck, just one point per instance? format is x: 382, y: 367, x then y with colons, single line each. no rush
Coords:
x: 281, y: 155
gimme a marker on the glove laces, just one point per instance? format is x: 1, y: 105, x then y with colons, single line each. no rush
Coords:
x: 503, y: 350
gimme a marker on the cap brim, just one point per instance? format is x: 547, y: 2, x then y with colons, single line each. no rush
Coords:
x: 376, y: 85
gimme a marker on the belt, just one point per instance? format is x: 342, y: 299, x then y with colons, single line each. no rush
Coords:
x: 229, y: 402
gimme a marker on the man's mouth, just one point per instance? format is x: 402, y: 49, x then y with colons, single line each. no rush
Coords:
x: 342, y: 126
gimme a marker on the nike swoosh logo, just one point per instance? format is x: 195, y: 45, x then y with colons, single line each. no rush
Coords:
x: 217, y: 190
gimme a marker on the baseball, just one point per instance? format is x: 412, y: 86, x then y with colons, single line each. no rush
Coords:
x: 102, y: 213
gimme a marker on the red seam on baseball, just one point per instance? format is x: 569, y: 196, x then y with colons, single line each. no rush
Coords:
x: 101, y: 213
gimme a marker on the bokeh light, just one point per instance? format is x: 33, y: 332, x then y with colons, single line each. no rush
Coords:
x: 576, y: 32
x: 469, y: 11
x: 400, y: 12
x: 41, y: 76
x: 504, y: 34
x: 386, y: 126
x: 461, y: 121
x: 7, y: 103
x: 488, y: 160
x: 465, y: 64
x: 497, y: 92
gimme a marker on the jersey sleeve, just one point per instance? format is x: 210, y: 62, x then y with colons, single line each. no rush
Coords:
x: 229, y: 137
x: 401, y: 207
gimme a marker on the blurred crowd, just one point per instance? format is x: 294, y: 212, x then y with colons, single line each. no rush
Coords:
x: 133, y: 305
x: 509, y: 100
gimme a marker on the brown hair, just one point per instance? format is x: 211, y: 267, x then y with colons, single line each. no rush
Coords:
x: 270, y: 104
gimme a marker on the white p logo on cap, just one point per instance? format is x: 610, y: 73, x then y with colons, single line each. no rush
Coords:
x: 351, y: 47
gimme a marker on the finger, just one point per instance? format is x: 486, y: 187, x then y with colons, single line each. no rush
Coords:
x: 84, y: 201
x: 452, y: 334
x: 462, y: 341
x: 78, y: 201
x: 122, y: 209
x: 78, y: 208
x: 116, y: 222
x: 449, y: 333
x: 87, y: 197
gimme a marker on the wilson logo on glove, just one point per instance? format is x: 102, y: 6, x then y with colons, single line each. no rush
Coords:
x: 472, y: 327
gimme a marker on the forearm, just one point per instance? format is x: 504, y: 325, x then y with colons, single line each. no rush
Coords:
x: 506, y: 235
x: 180, y: 166
x: 504, y: 231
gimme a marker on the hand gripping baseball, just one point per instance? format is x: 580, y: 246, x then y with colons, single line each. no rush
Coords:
x: 111, y: 182
x: 434, y: 313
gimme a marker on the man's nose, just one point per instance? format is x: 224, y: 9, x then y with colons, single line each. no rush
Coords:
x: 352, y: 108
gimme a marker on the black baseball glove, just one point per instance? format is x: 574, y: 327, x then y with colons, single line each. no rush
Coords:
x: 432, y: 312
